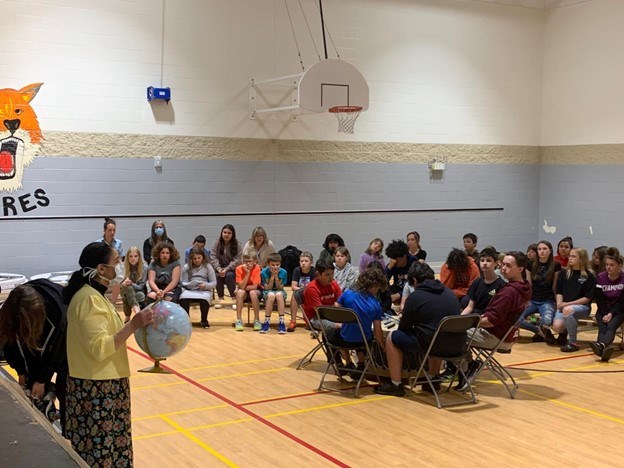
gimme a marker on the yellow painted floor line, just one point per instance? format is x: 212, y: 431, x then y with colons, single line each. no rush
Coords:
x: 253, y: 361
x: 187, y: 411
x: 199, y: 442
x: 324, y: 407
x: 222, y: 377
x: 574, y: 407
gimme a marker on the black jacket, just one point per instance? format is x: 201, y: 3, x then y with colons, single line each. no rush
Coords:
x: 39, y: 366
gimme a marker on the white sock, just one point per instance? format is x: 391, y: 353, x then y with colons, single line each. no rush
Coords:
x: 396, y: 383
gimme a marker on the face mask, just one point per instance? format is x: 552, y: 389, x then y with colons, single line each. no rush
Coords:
x: 159, y: 231
x: 119, y: 274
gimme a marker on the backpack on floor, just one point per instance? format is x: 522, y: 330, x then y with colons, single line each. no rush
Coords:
x: 290, y: 260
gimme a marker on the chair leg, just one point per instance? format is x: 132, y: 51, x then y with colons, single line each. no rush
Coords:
x: 307, y: 359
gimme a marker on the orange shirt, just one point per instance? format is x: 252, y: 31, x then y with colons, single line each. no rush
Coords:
x: 241, y: 272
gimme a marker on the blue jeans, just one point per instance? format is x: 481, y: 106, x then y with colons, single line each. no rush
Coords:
x: 571, y: 321
x: 546, y: 310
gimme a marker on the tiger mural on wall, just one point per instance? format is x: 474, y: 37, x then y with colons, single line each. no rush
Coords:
x: 20, y: 135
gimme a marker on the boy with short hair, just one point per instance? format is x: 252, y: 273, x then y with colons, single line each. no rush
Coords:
x: 483, y: 289
x: 248, y: 281
x: 200, y: 243
x: 470, y: 246
x: 274, y: 279
x: 302, y: 276
x: 323, y: 290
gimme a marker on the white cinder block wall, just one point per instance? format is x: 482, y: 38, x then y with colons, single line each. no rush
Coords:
x: 439, y: 71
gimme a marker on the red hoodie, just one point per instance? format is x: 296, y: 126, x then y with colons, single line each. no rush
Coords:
x: 505, y: 308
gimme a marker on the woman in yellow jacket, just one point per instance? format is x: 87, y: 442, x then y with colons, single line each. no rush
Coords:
x: 98, y: 391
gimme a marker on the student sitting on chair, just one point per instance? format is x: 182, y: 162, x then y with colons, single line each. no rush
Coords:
x: 502, y: 312
x: 459, y: 272
x: 610, y: 300
x: 483, y: 289
x: 345, y: 274
x: 323, y: 290
x: 200, y: 243
x: 362, y: 299
x: 274, y: 279
x: 198, y: 281
x: 397, y: 267
x: 249, y: 288
x: 302, y: 276
x: 430, y: 302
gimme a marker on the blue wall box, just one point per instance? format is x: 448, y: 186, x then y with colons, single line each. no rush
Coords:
x: 158, y: 93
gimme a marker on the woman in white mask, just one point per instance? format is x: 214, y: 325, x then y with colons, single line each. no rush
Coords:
x: 98, y: 387
x: 158, y: 234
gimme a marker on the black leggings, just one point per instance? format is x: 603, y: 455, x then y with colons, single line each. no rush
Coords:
x: 229, y: 281
x: 607, y: 331
x: 204, y: 307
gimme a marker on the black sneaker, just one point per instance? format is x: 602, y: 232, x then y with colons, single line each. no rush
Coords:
x: 205, y: 324
x: 570, y: 348
x: 549, y: 337
x: 607, y: 353
x: 471, y: 374
x: 537, y: 338
x: 597, y: 348
x: 346, y: 370
x: 427, y: 388
x: 448, y: 374
x: 562, y: 339
x: 388, y: 388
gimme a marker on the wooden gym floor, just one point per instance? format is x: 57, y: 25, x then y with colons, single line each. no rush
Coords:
x: 236, y: 399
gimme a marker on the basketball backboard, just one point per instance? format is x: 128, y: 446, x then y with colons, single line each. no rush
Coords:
x: 332, y: 83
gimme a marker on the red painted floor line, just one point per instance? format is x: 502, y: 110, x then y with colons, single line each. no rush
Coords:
x: 248, y: 412
x: 560, y: 358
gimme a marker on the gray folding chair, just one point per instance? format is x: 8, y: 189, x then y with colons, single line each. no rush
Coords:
x: 486, y: 358
x: 307, y: 359
x: 344, y: 315
x: 449, y: 326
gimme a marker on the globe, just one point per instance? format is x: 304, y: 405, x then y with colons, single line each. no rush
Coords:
x: 168, y: 334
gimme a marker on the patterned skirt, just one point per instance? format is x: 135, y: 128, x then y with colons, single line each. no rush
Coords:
x: 98, y: 421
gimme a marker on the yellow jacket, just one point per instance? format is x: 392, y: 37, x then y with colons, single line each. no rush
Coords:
x: 92, y: 323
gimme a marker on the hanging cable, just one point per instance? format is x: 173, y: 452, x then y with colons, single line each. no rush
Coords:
x: 309, y: 30
x: 294, y: 36
x: 326, y: 28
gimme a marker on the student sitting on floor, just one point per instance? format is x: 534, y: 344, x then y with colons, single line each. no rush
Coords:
x: 302, y: 276
x: 470, y: 246
x: 198, y: 281
x: 249, y: 288
x: 133, y: 286
x: 373, y: 254
x: 563, y: 251
x: 164, y: 273
x: 332, y: 241
x: 414, y: 250
x: 274, y: 278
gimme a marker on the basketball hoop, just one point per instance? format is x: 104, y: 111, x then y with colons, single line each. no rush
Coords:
x: 346, y: 115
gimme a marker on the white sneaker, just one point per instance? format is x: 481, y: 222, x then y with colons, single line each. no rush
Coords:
x: 233, y: 306
x: 217, y: 306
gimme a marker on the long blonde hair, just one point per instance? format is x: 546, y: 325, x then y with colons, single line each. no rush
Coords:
x: 585, y: 265
x: 128, y: 267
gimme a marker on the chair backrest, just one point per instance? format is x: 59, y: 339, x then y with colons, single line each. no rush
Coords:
x: 337, y: 314
x: 453, y: 325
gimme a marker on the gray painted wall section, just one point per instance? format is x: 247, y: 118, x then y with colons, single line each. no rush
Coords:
x: 116, y: 186
x: 574, y: 198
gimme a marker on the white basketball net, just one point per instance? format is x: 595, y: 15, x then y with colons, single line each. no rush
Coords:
x: 347, y: 116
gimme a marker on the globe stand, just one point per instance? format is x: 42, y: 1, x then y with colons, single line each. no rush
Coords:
x: 156, y: 369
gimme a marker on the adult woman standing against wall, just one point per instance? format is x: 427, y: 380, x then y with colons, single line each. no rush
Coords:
x: 33, y: 329
x: 110, y: 229
x: 98, y: 387
x: 225, y: 255
x: 159, y: 234
x: 260, y: 243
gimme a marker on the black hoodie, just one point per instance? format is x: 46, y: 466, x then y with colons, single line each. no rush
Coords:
x: 39, y: 366
x: 430, y: 302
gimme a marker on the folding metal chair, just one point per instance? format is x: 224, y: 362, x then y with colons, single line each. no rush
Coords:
x: 344, y: 315
x: 487, y: 360
x: 307, y: 359
x: 451, y: 325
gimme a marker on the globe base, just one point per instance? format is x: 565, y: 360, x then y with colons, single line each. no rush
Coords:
x: 156, y: 369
